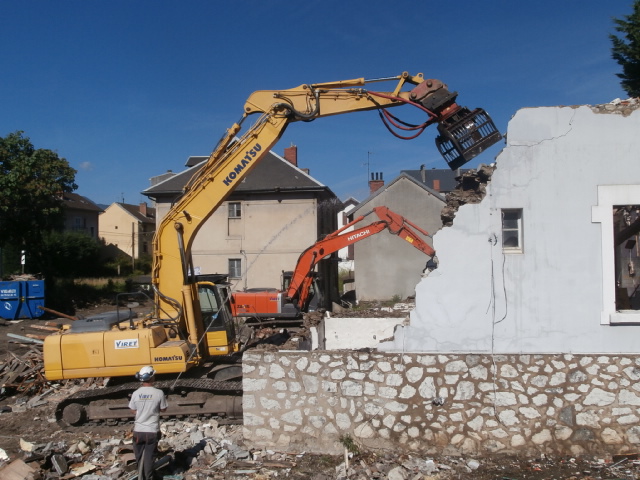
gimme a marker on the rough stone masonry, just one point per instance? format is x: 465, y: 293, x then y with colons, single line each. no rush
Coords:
x: 442, y: 403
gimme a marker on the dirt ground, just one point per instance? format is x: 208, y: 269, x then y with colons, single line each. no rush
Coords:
x: 32, y: 424
x: 35, y: 425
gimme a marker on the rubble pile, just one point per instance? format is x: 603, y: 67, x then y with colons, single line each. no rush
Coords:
x: 34, y: 447
x: 22, y: 373
x: 621, y: 107
x: 205, y: 450
x: 375, y: 310
x: 471, y: 188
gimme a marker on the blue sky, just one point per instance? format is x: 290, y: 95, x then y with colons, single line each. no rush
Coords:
x: 126, y: 90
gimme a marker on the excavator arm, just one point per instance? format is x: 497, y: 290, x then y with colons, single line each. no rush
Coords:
x: 463, y: 134
x: 302, y: 277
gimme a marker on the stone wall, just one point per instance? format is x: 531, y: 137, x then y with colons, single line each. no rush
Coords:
x: 442, y: 403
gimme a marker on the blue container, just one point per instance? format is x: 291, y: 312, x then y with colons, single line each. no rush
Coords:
x: 21, y: 299
x: 10, y: 295
x: 34, y: 298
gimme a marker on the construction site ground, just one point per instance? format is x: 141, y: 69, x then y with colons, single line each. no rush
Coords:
x: 29, y: 437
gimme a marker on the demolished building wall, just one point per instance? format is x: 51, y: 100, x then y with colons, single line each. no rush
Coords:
x: 448, y: 404
x: 562, y: 168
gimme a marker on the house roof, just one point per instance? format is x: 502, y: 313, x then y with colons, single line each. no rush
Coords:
x: 350, y: 202
x: 272, y: 173
x: 402, y: 176
x: 445, y: 177
x: 134, y: 211
x: 73, y: 201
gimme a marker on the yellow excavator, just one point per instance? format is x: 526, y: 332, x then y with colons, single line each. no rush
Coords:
x: 190, y: 337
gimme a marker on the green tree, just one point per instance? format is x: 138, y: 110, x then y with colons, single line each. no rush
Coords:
x: 31, y: 183
x: 626, y: 50
x: 68, y: 254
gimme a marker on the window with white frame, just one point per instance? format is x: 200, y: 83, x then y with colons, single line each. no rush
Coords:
x: 235, y: 268
x: 512, y: 230
x: 235, y: 210
x: 618, y: 212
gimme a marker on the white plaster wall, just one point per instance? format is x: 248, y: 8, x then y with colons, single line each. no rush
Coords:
x: 356, y: 333
x: 550, y: 298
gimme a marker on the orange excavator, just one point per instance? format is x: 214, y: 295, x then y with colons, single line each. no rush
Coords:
x: 299, y: 287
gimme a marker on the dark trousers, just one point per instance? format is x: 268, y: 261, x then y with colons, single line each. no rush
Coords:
x: 144, y: 448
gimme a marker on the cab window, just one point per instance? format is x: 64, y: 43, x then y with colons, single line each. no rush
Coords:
x: 210, y: 306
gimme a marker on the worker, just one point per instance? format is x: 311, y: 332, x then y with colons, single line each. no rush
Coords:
x: 146, y: 402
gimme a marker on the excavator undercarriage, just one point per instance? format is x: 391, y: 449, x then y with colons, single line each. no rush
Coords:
x: 191, y: 397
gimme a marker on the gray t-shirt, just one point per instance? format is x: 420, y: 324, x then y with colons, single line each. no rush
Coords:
x: 147, y: 402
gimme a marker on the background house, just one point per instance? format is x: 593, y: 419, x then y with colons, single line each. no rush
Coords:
x: 547, y: 261
x: 385, y: 265
x: 130, y: 228
x: 441, y: 180
x: 346, y: 255
x: 261, y: 229
x: 80, y: 214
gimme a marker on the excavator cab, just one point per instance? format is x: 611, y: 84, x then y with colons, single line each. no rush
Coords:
x: 315, y: 298
x: 464, y: 135
x: 216, y: 315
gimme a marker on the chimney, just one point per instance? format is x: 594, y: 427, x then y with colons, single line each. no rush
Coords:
x: 376, y: 182
x: 436, y: 184
x: 291, y: 155
x: 423, y: 174
x: 143, y: 208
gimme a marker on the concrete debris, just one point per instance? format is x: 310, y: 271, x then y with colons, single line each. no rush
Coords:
x: 368, y: 309
x: 18, y: 470
x: 26, y: 446
x: 618, y: 106
x: 471, y: 188
x: 205, y: 450
x: 195, y: 450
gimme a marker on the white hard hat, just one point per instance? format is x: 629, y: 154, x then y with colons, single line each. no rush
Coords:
x: 145, y: 374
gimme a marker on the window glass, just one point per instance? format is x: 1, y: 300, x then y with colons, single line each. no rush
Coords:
x: 235, y: 268
x: 209, y: 306
x: 512, y: 230
x: 626, y: 226
x: 235, y: 210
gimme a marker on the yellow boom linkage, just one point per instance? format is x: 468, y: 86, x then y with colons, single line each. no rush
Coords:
x: 232, y: 160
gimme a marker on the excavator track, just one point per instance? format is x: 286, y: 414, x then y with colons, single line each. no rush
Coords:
x: 199, y: 397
